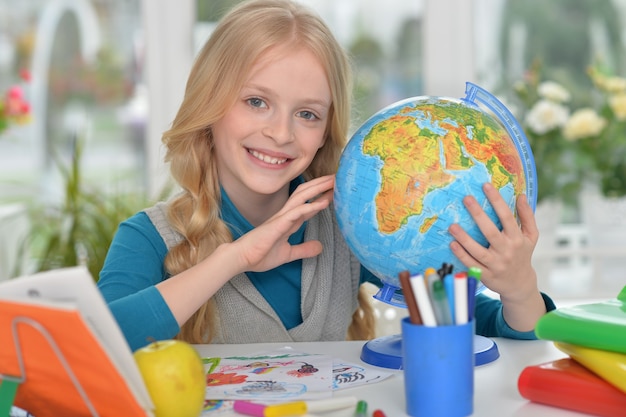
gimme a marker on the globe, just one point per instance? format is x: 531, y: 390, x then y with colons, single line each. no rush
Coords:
x: 403, y: 174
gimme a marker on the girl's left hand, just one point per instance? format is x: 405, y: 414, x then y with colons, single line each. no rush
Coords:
x: 506, y: 262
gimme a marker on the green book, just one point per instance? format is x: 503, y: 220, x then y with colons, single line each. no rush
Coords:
x: 600, y: 325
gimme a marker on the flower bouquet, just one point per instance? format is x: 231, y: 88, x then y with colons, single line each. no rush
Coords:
x: 544, y: 115
x: 570, y: 148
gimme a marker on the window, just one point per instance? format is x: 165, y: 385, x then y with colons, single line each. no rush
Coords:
x: 85, y: 65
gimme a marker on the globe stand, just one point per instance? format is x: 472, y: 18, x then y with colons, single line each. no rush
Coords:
x: 386, y: 351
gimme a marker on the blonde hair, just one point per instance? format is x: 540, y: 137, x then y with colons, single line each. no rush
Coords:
x: 219, y: 71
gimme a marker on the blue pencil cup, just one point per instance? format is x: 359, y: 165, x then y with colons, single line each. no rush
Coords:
x: 438, y: 365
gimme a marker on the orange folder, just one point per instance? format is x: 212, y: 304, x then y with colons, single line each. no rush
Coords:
x: 565, y: 383
x: 61, y: 358
x: 59, y: 340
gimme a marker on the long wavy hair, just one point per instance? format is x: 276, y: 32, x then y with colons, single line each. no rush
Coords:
x: 218, y: 74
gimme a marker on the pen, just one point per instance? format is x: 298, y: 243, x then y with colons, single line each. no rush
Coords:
x: 440, y: 304
x: 442, y: 271
x: 361, y: 409
x: 409, y: 297
x: 294, y: 408
x: 423, y: 301
x: 445, y: 269
x: 460, y: 298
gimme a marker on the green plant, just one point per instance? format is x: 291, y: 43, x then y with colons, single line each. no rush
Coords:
x: 79, y: 230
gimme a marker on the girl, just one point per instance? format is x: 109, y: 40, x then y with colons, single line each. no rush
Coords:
x: 249, y: 250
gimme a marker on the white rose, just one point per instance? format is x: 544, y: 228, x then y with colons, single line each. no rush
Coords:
x: 545, y: 116
x: 553, y: 91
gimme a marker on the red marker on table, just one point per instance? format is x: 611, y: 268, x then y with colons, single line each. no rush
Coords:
x: 378, y: 413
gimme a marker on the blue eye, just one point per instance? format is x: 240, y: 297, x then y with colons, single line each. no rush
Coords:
x: 256, y: 102
x: 308, y: 115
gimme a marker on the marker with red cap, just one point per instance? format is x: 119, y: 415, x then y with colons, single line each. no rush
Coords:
x: 460, y: 298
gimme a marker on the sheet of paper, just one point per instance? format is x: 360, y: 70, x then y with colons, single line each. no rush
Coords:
x: 271, y: 376
x: 278, y: 376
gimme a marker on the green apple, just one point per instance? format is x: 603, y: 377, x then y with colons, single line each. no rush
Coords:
x: 174, y: 376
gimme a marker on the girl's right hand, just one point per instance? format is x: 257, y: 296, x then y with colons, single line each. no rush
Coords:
x: 267, y: 246
x: 261, y: 249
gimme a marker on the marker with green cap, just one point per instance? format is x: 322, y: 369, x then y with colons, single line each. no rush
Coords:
x: 473, y: 278
x: 361, y: 409
x: 475, y: 272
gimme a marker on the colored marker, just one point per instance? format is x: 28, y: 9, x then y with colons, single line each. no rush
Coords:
x: 361, y: 409
x: 473, y: 274
x: 423, y: 301
x: 294, y: 408
x: 448, y: 285
x: 378, y: 413
x: 249, y: 408
x: 409, y: 297
x: 460, y: 298
x: 471, y: 297
x: 430, y: 276
x: 440, y: 304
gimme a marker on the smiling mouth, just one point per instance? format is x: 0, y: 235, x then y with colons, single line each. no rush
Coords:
x: 266, y: 158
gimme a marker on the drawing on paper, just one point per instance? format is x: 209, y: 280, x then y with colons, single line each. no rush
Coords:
x: 270, y: 376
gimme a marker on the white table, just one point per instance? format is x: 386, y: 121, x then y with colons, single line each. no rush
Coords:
x: 495, y: 384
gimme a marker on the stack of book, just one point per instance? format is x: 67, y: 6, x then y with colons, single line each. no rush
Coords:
x: 592, y: 379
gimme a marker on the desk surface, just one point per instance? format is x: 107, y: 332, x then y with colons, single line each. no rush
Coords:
x: 495, y: 384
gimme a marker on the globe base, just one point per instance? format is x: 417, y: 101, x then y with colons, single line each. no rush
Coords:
x: 386, y: 351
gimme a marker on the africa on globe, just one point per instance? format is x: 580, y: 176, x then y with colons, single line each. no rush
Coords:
x: 403, y: 174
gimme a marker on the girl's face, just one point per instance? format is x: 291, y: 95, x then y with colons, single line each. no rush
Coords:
x: 276, y: 125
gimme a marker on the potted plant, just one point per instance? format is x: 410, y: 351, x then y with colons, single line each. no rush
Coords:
x: 78, y: 230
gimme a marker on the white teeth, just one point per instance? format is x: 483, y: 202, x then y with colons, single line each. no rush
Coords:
x: 268, y: 159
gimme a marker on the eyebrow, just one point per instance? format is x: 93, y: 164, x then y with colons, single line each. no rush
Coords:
x: 307, y: 101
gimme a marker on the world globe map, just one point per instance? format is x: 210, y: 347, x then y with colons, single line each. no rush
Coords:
x: 404, y: 173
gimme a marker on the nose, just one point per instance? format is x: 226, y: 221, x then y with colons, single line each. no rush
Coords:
x: 280, y: 128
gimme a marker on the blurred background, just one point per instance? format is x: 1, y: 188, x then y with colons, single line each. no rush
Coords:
x: 88, y: 86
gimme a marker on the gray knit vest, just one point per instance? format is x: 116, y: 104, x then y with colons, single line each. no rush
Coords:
x: 330, y: 284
